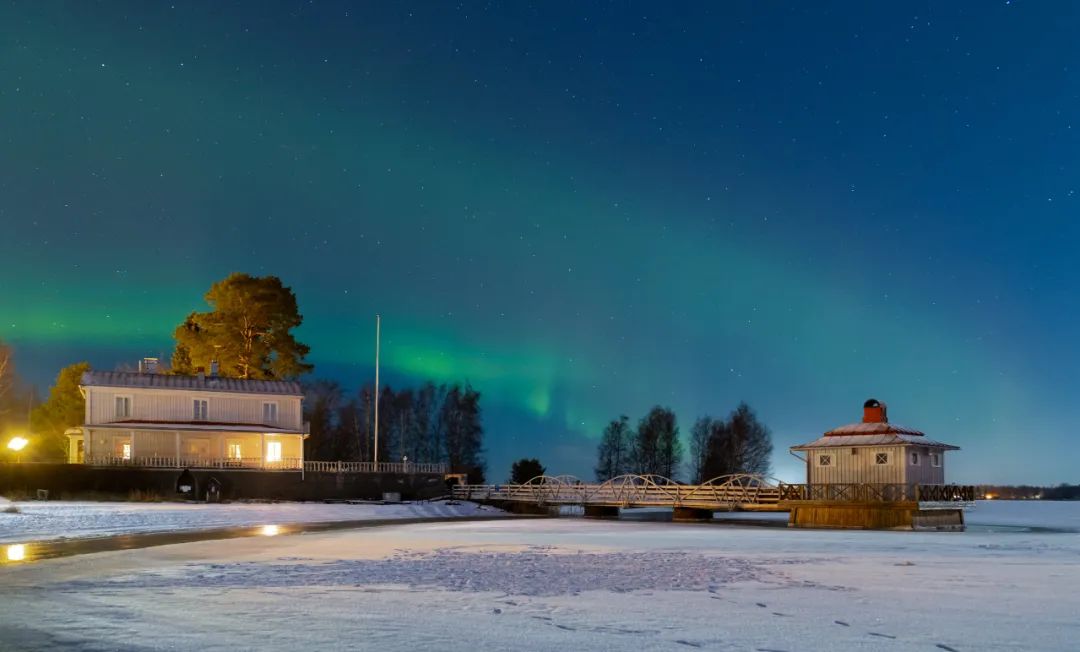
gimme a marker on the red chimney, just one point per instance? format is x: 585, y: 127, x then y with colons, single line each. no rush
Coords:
x: 874, y: 411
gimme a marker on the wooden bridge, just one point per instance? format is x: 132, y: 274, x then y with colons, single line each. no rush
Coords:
x: 738, y: 492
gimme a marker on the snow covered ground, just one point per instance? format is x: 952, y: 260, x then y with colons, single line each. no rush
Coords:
x: 569, y: 584
x: 63, y: 519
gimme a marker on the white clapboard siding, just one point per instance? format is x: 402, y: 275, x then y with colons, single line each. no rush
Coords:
x: 858, y: 467
x: 170, y: 405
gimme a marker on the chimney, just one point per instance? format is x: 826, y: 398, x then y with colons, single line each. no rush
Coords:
x: 148, y: 366
x: 874, y: 411
x: 213, y: 368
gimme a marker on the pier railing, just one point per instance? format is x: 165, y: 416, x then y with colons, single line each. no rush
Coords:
x: 879, y: 493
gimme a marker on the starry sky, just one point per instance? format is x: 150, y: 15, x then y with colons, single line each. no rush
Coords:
x: 582, y: 208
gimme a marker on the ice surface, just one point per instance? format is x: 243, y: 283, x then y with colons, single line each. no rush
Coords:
x: 569, y: 584
x: 63, y: 519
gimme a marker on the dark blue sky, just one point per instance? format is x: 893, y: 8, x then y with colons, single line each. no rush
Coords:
x: 582, y: 208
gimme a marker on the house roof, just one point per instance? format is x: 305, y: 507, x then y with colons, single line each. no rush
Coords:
x: 873, y: 428
x: 189, y: 383
x: 874, y: 439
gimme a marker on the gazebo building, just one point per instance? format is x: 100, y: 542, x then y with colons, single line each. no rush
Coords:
x: 876, y: 475
x: 874, y: 452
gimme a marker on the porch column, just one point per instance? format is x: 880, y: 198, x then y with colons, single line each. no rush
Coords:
x: 262, y: 450
x: 132, y: 449
x: 177, y: 435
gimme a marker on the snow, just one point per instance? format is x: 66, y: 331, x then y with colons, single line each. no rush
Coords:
x: 570, y: 584
x: 69, y: 519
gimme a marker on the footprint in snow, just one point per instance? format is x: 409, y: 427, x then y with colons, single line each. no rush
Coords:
x: 946, y: 647
x: 769, y: 649
x: 762, y: 605
x: 840, y: 622
x: 566, y: 627
x: 879, y: 635
x: 777, y: 613
x: 690, y: 643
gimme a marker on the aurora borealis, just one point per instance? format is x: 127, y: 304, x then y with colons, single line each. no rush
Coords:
x: 584, y: 209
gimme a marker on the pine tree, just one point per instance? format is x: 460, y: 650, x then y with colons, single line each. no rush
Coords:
x: 247, y: 330
x: 65, y: 408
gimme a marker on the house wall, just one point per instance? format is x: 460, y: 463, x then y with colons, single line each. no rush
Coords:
x: 178, y: 405
x: 923, y: 472
x: 858, y: 467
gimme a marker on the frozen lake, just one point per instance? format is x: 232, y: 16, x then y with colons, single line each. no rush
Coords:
x: 570, y: 584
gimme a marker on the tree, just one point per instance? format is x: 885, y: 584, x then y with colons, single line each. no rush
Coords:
x: 460, y: 422
x: 614, y: 453
x: 657, y: 448
x: 525, y: 469
x: 15, y: 396
x: 322, y: 402
x: 247, y: 331
x: 65, y: 408
x: 699, y: 448
x: 739, y: 444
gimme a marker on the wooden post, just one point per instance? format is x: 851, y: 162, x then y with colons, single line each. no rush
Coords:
x: 262, y: 449
x: 177, y: 434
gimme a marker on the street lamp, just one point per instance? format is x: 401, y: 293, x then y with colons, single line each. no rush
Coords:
x: 17, y: 444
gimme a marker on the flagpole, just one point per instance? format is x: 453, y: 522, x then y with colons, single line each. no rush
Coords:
x: 377, y: 324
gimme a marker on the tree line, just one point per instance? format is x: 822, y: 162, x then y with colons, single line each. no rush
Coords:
x: 739, y: 443
x: 429, y: 424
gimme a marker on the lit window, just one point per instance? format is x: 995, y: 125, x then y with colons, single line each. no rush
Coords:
x: 935, y: 459
x: 201, y: 409
x: 824, y: 460
x: 269, y: 413
x: 234, y: 450
x: 273, y: 451
x: 123, y: 407
x: 126, y: 451
x: 881, y: 458
x: 914, y: 459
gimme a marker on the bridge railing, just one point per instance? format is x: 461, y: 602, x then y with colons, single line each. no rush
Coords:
x: 629, y: 490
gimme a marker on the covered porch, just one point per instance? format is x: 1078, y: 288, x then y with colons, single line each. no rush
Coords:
x: 187, y: 448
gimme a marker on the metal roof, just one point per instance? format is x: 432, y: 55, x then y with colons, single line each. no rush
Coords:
x: 879, y: 439
x: 190, y: 383
x: 873, y: 428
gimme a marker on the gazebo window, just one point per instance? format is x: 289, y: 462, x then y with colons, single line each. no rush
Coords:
x: 824, y: 460
x: 935, y: 459
x: 881, y: 458
x: 914, y: 459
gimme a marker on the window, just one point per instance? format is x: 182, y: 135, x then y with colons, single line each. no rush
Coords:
x: 235, y: 450
x: 854, y: 451
x: 935, y: 459
x: 270, y: 413
x: 881, y: 458
x: 914, y: 459
x: 123, y: 407
x: 126, y: 451
x: 273, y: 451
x: 824, y: 460
x: 201, y: 409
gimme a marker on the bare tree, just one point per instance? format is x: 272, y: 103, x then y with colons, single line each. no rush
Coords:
x: 614, y: 453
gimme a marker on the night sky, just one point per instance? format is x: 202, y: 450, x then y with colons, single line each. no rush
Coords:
x: 582, y: 208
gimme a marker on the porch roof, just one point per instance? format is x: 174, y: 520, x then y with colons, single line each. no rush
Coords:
x: 137, y: 424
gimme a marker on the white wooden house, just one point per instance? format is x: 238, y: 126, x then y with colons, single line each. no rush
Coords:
x: 874, y: 452
x: 157, y: 420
